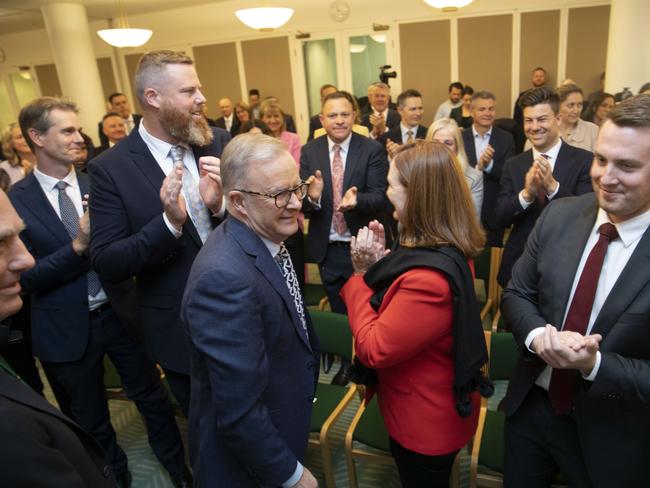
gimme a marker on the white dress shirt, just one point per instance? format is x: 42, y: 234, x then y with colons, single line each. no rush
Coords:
x: 73, y: 191
x: 481, y: 143
x: 228, y: 121
x: 345, y: 147
x: 445, y: 108
x: 618, y: 254
x: 551, y: 157
x: 405, y: 129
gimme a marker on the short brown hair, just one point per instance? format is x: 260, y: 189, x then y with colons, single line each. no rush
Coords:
x: 539, y: 96
x: 151, y: 66
x: 632, y: 112
x: 438, y: 208
x: 36, y: 115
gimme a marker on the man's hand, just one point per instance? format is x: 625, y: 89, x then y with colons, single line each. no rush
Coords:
x: 307, y: 480
x: 349, y: 200
x: 316, y: 186
x: 545, y: 173
x: 567, y: 349
x: 81, y: 242
x: 210, y: 186
x: 392, y: 148
x: 486, y: 157
x: 531, y: 186
x: 378, y: 124
x: 172, y: 199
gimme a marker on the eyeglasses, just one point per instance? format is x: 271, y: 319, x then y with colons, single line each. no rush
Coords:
x: 283, y: 197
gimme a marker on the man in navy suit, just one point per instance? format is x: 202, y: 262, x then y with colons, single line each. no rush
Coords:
x: 552, y: 169
x: 254, y: 351
x: 228, y: 120
x: 155, y: 197
x: 314, y: 121
x: 360, y: 197
x: 488, y: 148
x: 380, y: 116
x: 411, y: 110
x: 76, y: 318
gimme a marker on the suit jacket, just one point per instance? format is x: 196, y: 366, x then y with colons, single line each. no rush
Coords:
x: 504, y: 149
x: 103, y: 140
x: 395, y: 135
x: 392, y: 119
x: 571, y: 170
x: 234, y: 128
x: 254, y: 371
x: 130, y: 238
x: 612, y: 413
x: 289, y: 123
x: 366, y: 168
x: 39, y: 446
x: 314, y: 125
x: 57, y: 283
x: 415, y: 364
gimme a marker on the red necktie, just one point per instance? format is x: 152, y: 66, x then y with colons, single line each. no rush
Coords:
x: 563, y: 381
x: 337, y: 191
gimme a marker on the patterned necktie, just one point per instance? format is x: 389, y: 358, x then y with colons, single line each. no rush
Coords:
x: 284, y: 262
x: 198, y: 211
x: 409, y: 137
x: 337, y: 191
x: 563, y: 381
x: 70, y: 219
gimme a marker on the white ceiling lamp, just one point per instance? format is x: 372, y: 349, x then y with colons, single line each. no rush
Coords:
x: 380, y: 38
x: 264, y: 19
x: 123, y: 35
x: 357, y: 48
x: 448, y: 5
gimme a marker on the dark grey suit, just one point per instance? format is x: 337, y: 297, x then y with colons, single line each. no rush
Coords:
x: 612, y: 413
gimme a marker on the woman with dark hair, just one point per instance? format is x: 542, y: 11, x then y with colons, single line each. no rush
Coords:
x: 243, y: 112
x: 20, y: 159
x: 597, y: 112
x: 255, y: 126
x: 462, y: 114
x: 415, y: 317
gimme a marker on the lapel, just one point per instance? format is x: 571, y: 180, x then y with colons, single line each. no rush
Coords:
x: 470, y: 147
x: 421, y: 133
x: 631, y: 280
x: 568, y: 259
x: 254, y: 246
x: 395, y: 135
x: 36, y: 202
x: 322, y: 150
x: 564, y: 163
x: 354, y: 151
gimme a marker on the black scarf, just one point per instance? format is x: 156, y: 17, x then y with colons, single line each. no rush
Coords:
x: 470, y: 352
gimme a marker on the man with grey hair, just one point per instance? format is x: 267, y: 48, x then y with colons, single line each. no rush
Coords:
x: 155, y: 198
x: 254, y: 351
x: 380, y: 117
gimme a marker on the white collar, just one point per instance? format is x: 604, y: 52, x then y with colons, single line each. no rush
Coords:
x: 629, y: 230
x: 345, y: 145
x: 157, y: 146
x: 476, y: 133
x: 551, y: 153
x: 50, y: 182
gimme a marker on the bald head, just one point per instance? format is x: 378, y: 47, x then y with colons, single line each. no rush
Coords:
x: 225, y: 105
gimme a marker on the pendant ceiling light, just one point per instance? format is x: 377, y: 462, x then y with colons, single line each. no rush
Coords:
x: 448, y: 5
x: 123, y: 35
x: 264, y: 19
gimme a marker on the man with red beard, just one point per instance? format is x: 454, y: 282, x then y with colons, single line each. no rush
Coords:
x: 154, y: 199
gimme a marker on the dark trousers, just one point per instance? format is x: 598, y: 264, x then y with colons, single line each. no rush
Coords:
x: 179, y: 384
x: 335, y: 270
x: 421, y: 471
x: 83, y: 381
x: 539, y: 443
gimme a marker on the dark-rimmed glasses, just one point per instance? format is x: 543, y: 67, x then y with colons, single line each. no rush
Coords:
x: 283, y: 197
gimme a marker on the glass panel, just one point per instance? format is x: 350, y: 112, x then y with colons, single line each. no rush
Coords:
x: 24, y: 87
x: 367, y: 54
x: 320, y: 69
x: 6, y: 110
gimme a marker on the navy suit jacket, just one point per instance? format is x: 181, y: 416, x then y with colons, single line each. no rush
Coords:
x: 130, y: 238
x: 571, y: 170
x: 504, y: 149
x: 366, y: 168
x: 314, y: 125
x: 392, y: 119
x: 254, y: 371
x: 395, y: 135
x: 612, y: 413
x: 234, y: 128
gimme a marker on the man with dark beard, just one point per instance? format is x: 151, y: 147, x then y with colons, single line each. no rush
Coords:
x: 153, y: 201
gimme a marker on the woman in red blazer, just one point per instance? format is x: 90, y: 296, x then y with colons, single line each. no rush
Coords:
x: 427, y: 348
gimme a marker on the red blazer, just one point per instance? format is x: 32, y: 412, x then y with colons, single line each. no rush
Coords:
x: 409, y: 342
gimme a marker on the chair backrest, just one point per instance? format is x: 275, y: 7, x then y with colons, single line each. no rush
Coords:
x: 503, y: 355
x: 371, y: 430
x: 333, y: 332
x: 482, y: 267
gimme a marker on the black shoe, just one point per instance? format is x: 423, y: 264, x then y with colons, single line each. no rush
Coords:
x: 342, y: 378
x: 185, y: 480
x: 124, y: 480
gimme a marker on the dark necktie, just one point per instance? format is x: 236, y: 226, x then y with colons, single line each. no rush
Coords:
x: 409, y: 137
x: 70, y: 219
x: 563, y: 381
x: 286, y: 266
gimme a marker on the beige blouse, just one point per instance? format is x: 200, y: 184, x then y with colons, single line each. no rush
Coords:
x: 583, y: 136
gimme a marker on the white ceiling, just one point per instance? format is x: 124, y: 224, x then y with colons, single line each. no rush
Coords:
x: 24, y: 15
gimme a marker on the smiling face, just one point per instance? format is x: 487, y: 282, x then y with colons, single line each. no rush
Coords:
x: 225, y: 106
x: 483, y: 111
x: 620, y: 173
x: 14, y: 258
x: 542, y: 126
x: 114, y: 128
x: 378, y: 98
x: 274, y: 121
x: 59, y: 146
x: 412, y: 111
x: 337, y: 119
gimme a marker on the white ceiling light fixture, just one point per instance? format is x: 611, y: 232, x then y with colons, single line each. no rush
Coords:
x: 381, y: 38
x: 264, y: 19
x: 448, y: 5
x: 357, y: 48
x: 123, y: 35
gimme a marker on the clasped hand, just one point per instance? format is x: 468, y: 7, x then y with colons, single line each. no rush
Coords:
x: 567, y: 349
x: 368, y: 247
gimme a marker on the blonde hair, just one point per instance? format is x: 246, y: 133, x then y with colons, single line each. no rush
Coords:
x: 452, y: 126
x: 438, y: 208
x: 8, y: 148
x: 273, y: 107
